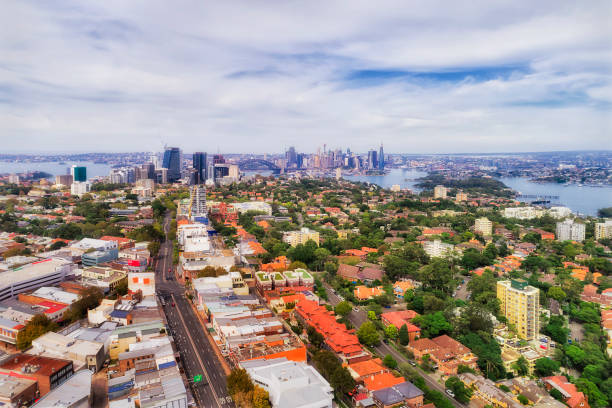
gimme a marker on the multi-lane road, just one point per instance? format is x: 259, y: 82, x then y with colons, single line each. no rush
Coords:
x: 196, y: 353
x: 357, y: 318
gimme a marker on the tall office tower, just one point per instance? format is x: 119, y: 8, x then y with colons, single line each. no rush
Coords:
x: 218, y: 159
x: 520, y: 303
x: 197, y: 198
x: 483, y: 226
x: 372, y: 160
x: 149, y: 169
x: 299, y: 161
x: 172, y: 162
x: 569, y: 230
x: 381, y: 158
x: 291, y: 157
x: 79, y: 173
x: 199, y: 164
x: 220, y: 170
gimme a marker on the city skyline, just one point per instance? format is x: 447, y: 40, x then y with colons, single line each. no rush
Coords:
x: 243, y: 79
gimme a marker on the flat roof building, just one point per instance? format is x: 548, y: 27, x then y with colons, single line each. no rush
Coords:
x: 50, y: 271
x: 289, y: 383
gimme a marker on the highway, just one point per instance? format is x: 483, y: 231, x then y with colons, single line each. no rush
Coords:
x: 358, y: 318
x: 196, y: 353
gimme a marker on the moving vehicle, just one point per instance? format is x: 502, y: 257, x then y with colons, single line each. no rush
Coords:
x: 450, y: 392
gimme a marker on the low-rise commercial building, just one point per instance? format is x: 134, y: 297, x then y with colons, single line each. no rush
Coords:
x: 83, y: 353
x: 290, y: 383
x: 48, y: 372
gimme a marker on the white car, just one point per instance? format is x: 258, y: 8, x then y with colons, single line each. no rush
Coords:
x: 450, y: 392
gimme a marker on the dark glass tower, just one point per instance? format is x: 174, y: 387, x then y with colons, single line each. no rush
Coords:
x: 199, y: 165
x: 172, y: 162
x: 381, y: 158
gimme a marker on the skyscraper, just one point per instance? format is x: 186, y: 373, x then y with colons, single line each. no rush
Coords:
x: 381, y: 158
x: 520, y: 304
x: 199, y: 164
x: 79, y: 173
x: 172, y: 162
x: 197, y: 198
x: 372, y: 160
x: 291, y: 157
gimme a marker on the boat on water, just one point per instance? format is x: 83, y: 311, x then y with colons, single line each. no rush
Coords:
x: 61, y: 163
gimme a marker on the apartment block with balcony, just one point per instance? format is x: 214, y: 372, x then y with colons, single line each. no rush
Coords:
x: 520, y: 304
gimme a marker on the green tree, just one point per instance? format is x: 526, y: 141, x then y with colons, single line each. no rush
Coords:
x: 391, y: 332
x: 261, y: 398
x: 404, y: 337
x: 390, y: 362
x: 343, y: 308
x: 522, y: 399
x: 367, y: 334
x: 371, y: 315
x: 596, y: 398
x: 433, y: 324
x: 314, y: 337
x: 239, y: 381
x: 36, y: 327
x: 341, y: 380
x: 545, y: 367
x: 556, y: 293
x: 153, y: 247
x: 521, y: 367
x: 462, y: 393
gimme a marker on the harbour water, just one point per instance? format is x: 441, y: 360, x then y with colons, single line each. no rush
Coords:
x: 583, y: 200
x: 54, y: 168
x: 406, y: 178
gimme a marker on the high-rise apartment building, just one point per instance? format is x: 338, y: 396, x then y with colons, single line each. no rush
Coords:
x: 603, y: 229
x: 79, y: 173
x: 199, y: 165
x: 461, y: 196
x: 302, y: 236
x: 520, y: 304
x: 172, y: 162
x: 197, y: 201
x: 64, y: 180
x: 483, y: 226
x: 569, y: 230
x: 440, y: 191
x: 79, y: 188
x: 144, y: 172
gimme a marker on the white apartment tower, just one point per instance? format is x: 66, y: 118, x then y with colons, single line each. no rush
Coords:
x: 569, y: 230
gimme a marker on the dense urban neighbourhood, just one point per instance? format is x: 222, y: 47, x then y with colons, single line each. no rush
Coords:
x: 351, y: 294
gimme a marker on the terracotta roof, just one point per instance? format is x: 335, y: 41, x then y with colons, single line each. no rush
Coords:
x: 380, y: 381
x: 367, y: 367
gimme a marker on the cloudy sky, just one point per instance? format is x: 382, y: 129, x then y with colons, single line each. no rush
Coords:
x: 254, y: 76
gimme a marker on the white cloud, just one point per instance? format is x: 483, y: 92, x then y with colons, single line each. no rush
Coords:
x: 259, y: 76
